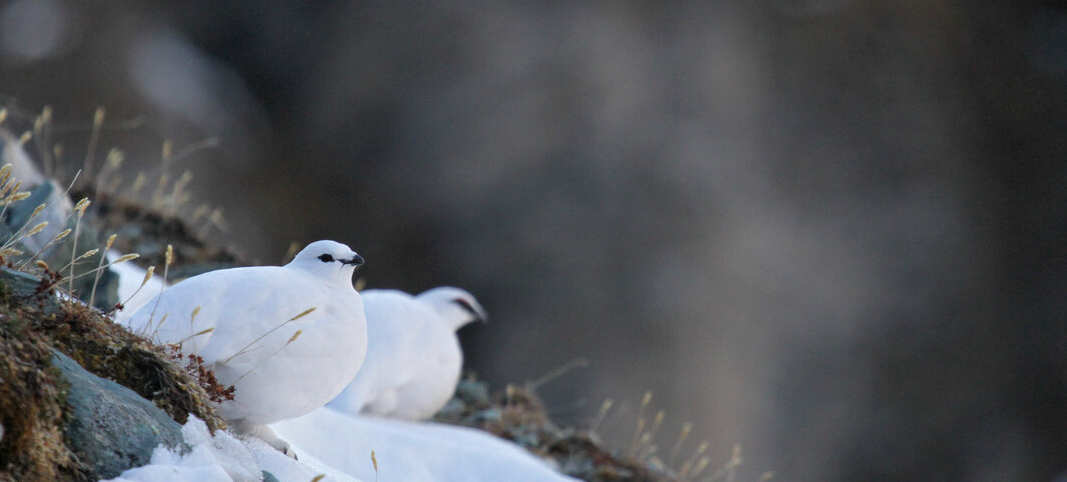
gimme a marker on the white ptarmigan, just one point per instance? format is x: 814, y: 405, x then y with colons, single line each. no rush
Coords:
x: 246, y: 323
x: 413, y: 358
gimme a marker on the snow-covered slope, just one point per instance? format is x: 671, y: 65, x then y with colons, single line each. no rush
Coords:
x: 223, y: 458
x: 410, y: 451
x: 338, y: 446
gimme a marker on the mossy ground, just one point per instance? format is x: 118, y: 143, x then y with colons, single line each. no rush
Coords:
x: 518, y: 415
x: 148, y: 233
x: 33, y: 321
x: 31, y: 403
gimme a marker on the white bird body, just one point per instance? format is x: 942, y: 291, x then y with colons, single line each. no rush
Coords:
x: 241, y: 322
x: 413, y: 358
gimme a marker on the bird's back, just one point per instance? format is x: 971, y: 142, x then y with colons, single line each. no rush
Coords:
x: 409, y: 358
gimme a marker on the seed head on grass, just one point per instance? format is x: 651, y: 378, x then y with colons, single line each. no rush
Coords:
x: 79, y: 211
x: 112, y: 162
x: 94, y: 138
x: 36, y: 229
x: 37, y: 210
x: 687, y: 428
x: 122, y: 259
x: 192, y: 320
x: 374, y: 460
x: 138, y: 183
x: 96, y: 279
x: 167, y: 259
x: 147, y: 276
x: 89, y: 253
x: 193, y: 336
x: 57, y: 153
x: 636, y: 439
x: 729, y: 470
x: 55, y: 239
x: 6, y: 252
x: 604, y: 408
x: 5, y: 172
x: 687, y: 466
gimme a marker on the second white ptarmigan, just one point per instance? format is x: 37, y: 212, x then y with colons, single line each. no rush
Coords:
x: 288, y: 338
x: 413, y: 358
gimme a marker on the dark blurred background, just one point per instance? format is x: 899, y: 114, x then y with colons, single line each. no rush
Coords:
x: 831, y: 231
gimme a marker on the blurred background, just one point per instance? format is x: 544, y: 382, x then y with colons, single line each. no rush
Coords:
x: 831, y: 231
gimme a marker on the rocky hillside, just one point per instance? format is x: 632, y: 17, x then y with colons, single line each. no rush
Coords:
x: 83, y: 399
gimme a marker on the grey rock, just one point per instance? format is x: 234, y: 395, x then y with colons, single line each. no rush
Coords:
x: 473, y: 391
x: 112, y: 428
x: 22, y: 285
x: 269, y: 477
x: 490, y: 415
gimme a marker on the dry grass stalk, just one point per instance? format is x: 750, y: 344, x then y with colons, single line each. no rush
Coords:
x: 291, y: 340
x: 604, y: 408
x: 687, y: 428
x: 96, y: 279
x: 94, y: 138
x: 374, y: 460
x: 245, y: 349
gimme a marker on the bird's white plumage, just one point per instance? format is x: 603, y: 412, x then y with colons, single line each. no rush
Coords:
x: 413, y: 357
x: 280, y: 368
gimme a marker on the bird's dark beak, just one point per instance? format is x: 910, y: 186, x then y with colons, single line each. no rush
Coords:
x: 356, y: 261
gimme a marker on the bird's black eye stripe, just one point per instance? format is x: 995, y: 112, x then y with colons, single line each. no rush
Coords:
x: 466, y: 306
x: 326, y: 258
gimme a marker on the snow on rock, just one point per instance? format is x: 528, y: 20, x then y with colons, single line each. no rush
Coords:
x: 223, y: 458
x: 408, y: 451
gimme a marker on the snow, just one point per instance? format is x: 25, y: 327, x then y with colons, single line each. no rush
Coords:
x: 410, y: 451
x: 334, y: 444
x: 338, y: 446
x: 221, y: 458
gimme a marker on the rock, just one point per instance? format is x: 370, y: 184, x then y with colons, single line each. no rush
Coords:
x: 473, y: 391
x: 58, y: 214
x: 111, y: 428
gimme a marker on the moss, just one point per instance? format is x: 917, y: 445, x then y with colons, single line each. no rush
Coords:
x: 110, y: 351
x: 146, y: 232
x: 31, y: 408
x: 517, y: 414
x: 32, y: 403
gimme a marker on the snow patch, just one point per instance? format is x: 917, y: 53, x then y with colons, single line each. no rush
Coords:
x: 410, y: 451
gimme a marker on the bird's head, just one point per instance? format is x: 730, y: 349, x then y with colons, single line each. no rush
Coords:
x: 329, y: 260
x: 455, y: 305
